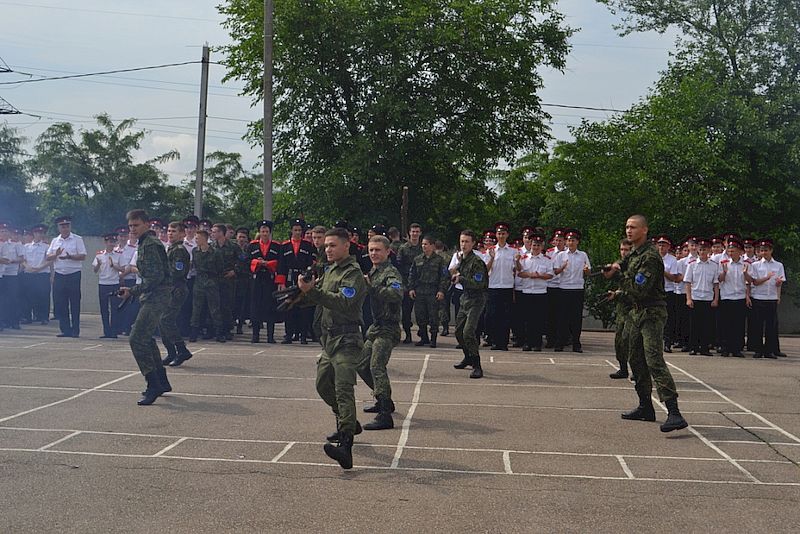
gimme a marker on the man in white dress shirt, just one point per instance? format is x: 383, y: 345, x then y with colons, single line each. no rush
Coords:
x: 501, y: 288
x: 573, y: 266
x: 766, y: 278
x: 734, y: 294
x: 67, y: 252
x: 36, y: 278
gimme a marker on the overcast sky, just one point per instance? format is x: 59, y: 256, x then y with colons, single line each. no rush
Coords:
x: 56, y: 37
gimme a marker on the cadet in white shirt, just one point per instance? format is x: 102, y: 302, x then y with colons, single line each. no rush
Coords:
x: 553, y: 290
x: 536, y: 269
x: 12, y: 255
x: 766, y: 278
x: 573, y: 266
x: 671, y: 276
x: 734, y: 298
x: 105, y: 264
x: 36, y: 278
x: 127, y: 278
x: 682, y: 311
x: 189, y: 243
x: 67, y: 251
x: 501, y: 288
x: 702, y: 296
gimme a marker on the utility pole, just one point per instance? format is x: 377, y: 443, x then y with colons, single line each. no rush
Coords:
x: 267, y: 89
x: 201, y: 136
x: 404, y: 213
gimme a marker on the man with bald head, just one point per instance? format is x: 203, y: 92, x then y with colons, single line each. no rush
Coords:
x: 642, y: 284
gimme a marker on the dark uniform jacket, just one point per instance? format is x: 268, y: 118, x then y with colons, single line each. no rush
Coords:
x: 208, y: 265
x: 179, y: 264
x: 296, y: 257
x: 385, y: 289
x: 153, y: 267
x: 405, y: 258
x: 643, y: 277
x: 429, y: 274
x: 228, y: 253
x: 341, y: 292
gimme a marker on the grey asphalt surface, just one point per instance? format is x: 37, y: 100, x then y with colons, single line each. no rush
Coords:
x: 536, y: 446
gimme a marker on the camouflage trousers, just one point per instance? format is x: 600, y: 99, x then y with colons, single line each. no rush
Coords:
x: 646, y: 353
x: 375, y: 357
x: 206, y: 294
x: 467, y: 321
x: 143, y: 344
x: 426, y: 310
x: 336, y: 376
x: 621, y: 338
x: 168, y: 325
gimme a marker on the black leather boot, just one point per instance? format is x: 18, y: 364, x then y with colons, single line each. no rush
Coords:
x: 153, y: 390
x: 424, y: 340
x: 622, y: 373
x: 446, y: 331
x: 343, y: 452
x: 194, y: 334
x: 477, y: 371
x: 433, y: 340
x: 270, y: 332
x: 383, y: 421
x: 239, y: 327
x: 643, y: 412
x: 375, y: 408
x: 675, y: 420
x: 407, y: 340
x: 183, y: 354
x: 463, y: 364
x: 166, y: 387
x: 171, y: 356
x: 256, y: 333
x: 335, y: 436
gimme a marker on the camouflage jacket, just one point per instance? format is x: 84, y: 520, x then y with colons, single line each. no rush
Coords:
x: 152, y: 265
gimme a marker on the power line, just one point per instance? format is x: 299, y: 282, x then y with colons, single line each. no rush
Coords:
x: 583, y: 107
x: 84, y: 75
x: 107, y: 12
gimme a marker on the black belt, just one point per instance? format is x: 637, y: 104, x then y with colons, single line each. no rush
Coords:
x: 344, y: 329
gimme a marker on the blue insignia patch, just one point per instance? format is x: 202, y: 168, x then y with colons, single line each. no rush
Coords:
x: 640, y: 279
x: 478, y: 277
x: 178, y: 265
x: 445, y: 270
x: 396, y: 285
x: 348, y: 292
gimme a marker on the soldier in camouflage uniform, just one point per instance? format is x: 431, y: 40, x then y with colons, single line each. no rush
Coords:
x: 208, y: 265
x: 405, y: 258
x: 179, y: 263
x: 154, y: 296
x: 229, y: 254
x: 472, y: 274
x: 444, y: 308
x: 341, y: 292
x: 622, y: 323
x: 643, y: 283
x: 385, y: 290
x: 427, y: 284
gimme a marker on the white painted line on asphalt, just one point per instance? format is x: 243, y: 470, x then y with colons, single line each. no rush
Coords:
x: 90, y: 347
x: 54, y: 388
x: 552, y: 361
x: 507, y: 462
x: 283, y: 452
x: 35, y: 345
x: 491, y: 359
x: 624, y: 465
x: 199, y: 350
x: 414, y: 469
x: 62, y: 440
x: 31, y: 368
x: 746, y: 411
x: 219, y: 396
x: 756, y: 442
x: 718, y: 426
x: 81, y: 394
x: 259, y: 352
x: 169, y: 447
x: 505, y: 385
x: 407, y: 421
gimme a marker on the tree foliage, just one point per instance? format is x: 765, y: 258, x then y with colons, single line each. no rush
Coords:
x: 17, y: 203
x: 371, y: 96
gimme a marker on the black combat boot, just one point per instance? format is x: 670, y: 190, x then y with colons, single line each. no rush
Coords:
x: 256, y: 333
x: 343, y: 452
x: 643, y: 412
x: 622, y: 373
x: 239, y: 327
x: 463, y: 364
x: 446, y: 331
x: 183, y: 354
x: 220, y: 336
x: 407, y: 340
x: 172, y: 354
x: 423, y: 339
x: 383, y: 421
x: 675, y: 420
x: 195, y: 332
x: 433, y: 340
x: 270, y: 332
x: 375, y: 408
x: 477, y: 371
x: 165, y: 386
x: 287, y: 339
x: 153, y: 391
x: 335, y: 436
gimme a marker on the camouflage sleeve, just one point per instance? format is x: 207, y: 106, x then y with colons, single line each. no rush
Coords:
x: 444, y: 276
x: 476, y: 275
x: 350, y: 294
x: 641, y: 278
x: 390, y: 289
x: 413, y: 277
x: 179, y: 265
x: 152, y: 267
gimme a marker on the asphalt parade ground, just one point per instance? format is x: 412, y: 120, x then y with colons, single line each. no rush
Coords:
x: 536, y: 446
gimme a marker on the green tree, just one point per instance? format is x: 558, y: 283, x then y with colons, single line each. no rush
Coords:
x: 92, y: 175
x: 371, y: 96
x: 17, y: 204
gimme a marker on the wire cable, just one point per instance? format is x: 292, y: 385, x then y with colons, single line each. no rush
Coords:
x: 116, y: 71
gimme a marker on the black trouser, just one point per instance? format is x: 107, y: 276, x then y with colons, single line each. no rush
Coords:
x: 11, y: 301
x: 682, y: 320
x: 765, y: 317
x: 241, y: 303
x: 498, y: 315
x: 517, y: 327
x: 67, y: 302
x: 108, y: 308
x: 751, y: 328
x: 731, y: 324
x: 670, y: 329
x: 702, y: 326
x: 185, y: 315
x: 553, y: 303
x: 534, y: 311
x: 408, y: 306
x: 455, y: 298
x: 297, y: 323
x: 570, y: 322
x: 129, y: 313
x: 37, y: 288
x: 3, y: 310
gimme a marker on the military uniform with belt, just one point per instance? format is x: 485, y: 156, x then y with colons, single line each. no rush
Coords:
x: 229, y: 255
x: 429, y: 276
x: 179, y: 262
x: 208, y: 265
x: 385, y: 290
x: 474, y: 276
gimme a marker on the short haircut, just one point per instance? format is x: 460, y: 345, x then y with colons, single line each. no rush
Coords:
x: 177, y: 225
x: 379, y: 239
x: 203, y: 233
x: 641, y: 218
x: 319, y: 230
x: 221, y: 226
x: 341, y: 233
x: 471, y: 234
x: 414, y: 225
x: 625, y: 242
x: 137, y: 215
x: 439, y: 244
x: 230, y: 227
x: 244, y: 231
x: 393, y: 232
x: 429, y: 238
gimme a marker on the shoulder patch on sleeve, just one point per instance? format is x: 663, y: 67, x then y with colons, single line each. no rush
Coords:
x: 348, y: 292
x: 478, y: 277
x: 179, y: 266
x: 640, y: 279
x: 396, y: 285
